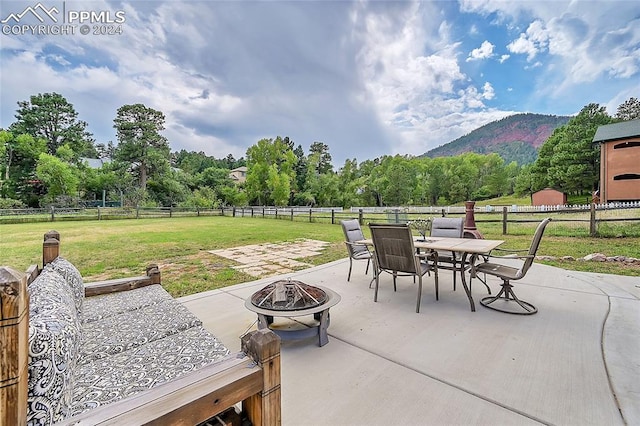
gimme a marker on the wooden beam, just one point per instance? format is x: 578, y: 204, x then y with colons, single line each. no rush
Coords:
x: 264, y: 408
x: 14, y: 350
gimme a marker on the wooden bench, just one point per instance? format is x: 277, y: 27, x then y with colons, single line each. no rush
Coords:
x: 250, y: 377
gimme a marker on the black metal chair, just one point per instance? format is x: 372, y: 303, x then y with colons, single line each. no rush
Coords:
x: 506, y: 296
x: 394, y: 253
x: 449, y: 227
x: 352, y: 234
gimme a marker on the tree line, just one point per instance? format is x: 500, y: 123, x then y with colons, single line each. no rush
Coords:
x: 43, y: 162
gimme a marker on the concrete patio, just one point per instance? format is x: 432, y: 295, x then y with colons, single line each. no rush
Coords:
x: 576, y: 362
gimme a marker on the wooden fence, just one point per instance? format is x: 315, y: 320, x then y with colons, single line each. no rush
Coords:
x: 588, y: 216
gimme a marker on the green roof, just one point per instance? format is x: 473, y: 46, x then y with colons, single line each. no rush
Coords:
x: 622, y: 130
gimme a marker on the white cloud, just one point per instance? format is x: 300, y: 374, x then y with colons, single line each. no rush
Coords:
x: 483, y: 52
x: 385, y: 74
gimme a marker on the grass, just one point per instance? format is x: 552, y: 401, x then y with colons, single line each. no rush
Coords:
x: 117, y: 248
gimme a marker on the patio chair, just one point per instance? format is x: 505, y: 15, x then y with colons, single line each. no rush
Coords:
x: 395, y: 253
x: 352, y: 234
x: 506, y: 296
x: 449, y: 227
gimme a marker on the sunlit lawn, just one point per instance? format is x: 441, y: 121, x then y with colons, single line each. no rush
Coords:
x: 117, y: 248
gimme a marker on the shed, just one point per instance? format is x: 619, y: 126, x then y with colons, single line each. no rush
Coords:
x: 548, y: 197
x: 619, y: 161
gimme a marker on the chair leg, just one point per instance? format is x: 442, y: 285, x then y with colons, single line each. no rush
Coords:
x: 506, y: 294
x: 375, y: 294
x: 366, y: 272
x: 435, y: 274
x: 350, y: 266
x: 419, y: 294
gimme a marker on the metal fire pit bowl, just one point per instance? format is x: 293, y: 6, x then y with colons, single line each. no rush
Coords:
x: 287, y: 299
x: 288, y: 295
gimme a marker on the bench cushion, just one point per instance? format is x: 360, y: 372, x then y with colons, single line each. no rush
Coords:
x: 54, y: 338
x: 127, y: 330
x: 73, y: 278
x: 106, y: 305
x: 107, y: 380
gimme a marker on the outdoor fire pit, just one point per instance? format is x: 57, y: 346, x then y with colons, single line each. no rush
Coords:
x: 289, y: 299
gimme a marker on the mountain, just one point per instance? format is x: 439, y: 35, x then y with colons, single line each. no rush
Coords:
x: 514, y: 138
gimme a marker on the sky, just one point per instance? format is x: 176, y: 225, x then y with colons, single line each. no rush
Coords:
x: 367, y: 78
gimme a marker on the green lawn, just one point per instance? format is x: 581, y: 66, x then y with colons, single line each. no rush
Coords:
x: 117, y: 248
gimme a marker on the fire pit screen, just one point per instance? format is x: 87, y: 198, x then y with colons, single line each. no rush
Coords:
x: 288, y: 295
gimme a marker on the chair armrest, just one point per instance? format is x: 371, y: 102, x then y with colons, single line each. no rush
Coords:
x: 429, y: 255
x: 354, y: 244
x: 509, y: 250
x: 509, y: 256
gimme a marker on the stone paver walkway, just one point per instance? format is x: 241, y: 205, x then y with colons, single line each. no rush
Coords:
x: 265, y: 260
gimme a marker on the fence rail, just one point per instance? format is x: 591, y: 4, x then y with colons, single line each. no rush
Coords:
x: 589, y: 217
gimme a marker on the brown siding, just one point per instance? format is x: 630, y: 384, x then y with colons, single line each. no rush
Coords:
x: 549, y: 197
x: 623, y: 160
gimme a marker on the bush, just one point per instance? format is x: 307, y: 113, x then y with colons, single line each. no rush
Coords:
x: 10, y: 203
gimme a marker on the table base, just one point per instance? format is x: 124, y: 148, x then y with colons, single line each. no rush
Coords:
x: 320, y: 330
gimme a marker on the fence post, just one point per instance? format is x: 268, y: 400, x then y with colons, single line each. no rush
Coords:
x: 276, y: 212
x: 263, y: 212
x: 592, y: 220
x: 137, y: 212
x: 170, y: 211
x: 251, y: 211
x: 397, y: 212
x: 53, y: 209
x: 443, y: 213
x: 333, y: 216
x: 504, y: 221
x: 310, y: 217
x: 99, y: 213
x: 360, y: 217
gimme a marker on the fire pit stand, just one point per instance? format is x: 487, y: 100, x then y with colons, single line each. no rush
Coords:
x: 290, y: 299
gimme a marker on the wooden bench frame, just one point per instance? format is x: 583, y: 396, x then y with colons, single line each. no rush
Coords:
x: 251, y: 376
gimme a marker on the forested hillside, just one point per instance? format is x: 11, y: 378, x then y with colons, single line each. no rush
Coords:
x: 514, y: 138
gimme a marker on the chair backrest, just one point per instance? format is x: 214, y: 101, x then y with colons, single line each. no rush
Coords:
x: 449, y: 227
x: 535, y: 243
x: 353, y: 233
x: 393, y: 245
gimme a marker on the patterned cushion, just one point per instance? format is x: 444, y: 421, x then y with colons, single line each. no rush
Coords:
x: 54, y: 337
x: 106, y: 305
x: 119, y: 333
x: 110, y: 379
x: 73, y: 277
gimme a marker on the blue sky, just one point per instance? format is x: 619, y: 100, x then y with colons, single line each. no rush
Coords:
x: 367, y: 78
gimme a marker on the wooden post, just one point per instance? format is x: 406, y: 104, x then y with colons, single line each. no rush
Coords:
x: 50, y: 247
x: 153, y: 271
x: 264, y: 408
x: 360, y: 217
x: 291, y: 214
x: 14, y: 351
x: 333, y: 216
x: 310, y: 215
x: 592, y: 220
x: 504, y: 221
